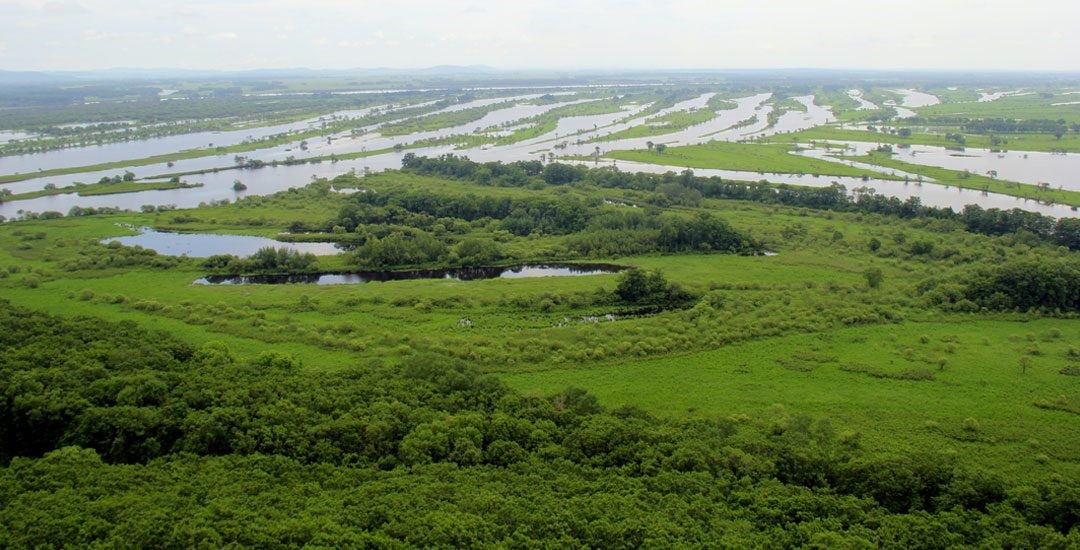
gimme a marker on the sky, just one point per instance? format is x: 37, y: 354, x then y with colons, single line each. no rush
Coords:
x: 539, y: 34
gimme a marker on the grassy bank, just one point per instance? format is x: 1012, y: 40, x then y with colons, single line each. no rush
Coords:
x: 743, y: 157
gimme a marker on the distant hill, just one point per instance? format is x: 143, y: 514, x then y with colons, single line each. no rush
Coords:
x: 22, y: 78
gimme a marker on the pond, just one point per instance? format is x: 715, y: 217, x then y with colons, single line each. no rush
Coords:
x: 204, y: 245
x: 457, y: 273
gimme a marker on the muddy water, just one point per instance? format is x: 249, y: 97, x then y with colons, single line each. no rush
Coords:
x: 216, y: 186
x: 928, y: 193
x: 793, y: 121
x: 1058, y: 170
x: 864, y: 105
x: 1036, y: 168
x: 204, y: 245
x: 916, y: 99
x: 127, y: 150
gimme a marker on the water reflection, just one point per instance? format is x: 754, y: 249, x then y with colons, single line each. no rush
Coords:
x: 731, y: 124
x: 458, y: 273
x: 204, y: 245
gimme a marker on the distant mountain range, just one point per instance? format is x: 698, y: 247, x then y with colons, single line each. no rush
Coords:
x: 478, y: 73
x: 54, y: 77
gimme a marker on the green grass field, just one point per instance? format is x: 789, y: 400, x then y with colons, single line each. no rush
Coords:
x: 1031, y: 106
x: 666, y: 124
x: 743, y: 157
x: 103, y: 189
x: 826, y: 375
x: 1018, y: 142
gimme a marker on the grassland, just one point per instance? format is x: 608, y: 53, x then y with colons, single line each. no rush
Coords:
x: 547, y: 122
x: 86, y: 190
x: 1017, y: 142
x: 882, y: 382
x: 1028, y: 107
x: 743, y: 157
x: 664, y: 124
x: 439, y: 121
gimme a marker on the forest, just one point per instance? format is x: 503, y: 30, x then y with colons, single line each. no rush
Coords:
x: 109, y: 429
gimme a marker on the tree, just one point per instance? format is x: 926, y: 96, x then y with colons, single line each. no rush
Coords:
x: 641, y: 287
x: 1067, y: 233
x: 477, y: 252
x: 129, y: 176
x: 874, y: 277
x: 649, y: 145
x: 660, y: 148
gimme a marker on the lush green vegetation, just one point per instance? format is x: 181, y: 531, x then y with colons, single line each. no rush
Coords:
x: 438, y: 121
x: 101, y: 188
x: 663, y: 124
x: 167, y: 430
x: 776, y: 365
x: 743, y: 157
x: 1019, y: 142
x: 1030, y: 106
x: 547, y: 122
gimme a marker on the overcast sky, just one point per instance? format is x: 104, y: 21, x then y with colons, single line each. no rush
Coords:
x: 509, y: 34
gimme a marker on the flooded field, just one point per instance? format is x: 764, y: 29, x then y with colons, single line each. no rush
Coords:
x: 749, y: 117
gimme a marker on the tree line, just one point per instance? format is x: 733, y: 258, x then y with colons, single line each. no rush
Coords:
x: 676, y: 188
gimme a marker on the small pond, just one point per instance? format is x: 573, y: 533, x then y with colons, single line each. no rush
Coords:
x: 204, y: 245
x: 457, y: 273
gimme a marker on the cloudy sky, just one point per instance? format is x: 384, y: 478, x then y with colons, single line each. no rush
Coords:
x: 508, y: 34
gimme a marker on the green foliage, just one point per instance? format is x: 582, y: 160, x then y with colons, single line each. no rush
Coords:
x: 163, y: 434
x: 874, y: 277
x: 741, y: 156
x: 1028, y: 283
x: 476, y: 252
x: 265, y: 260
x: 400, y: 249
x: 640, y: 287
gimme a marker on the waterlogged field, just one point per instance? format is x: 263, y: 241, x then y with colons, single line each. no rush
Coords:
x: 713, y: 126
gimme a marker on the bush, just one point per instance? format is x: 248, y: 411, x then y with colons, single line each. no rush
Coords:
x: 874, y: 277
x: 640, y: 287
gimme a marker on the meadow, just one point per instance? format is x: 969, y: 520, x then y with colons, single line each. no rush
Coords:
x: 664, y: 124
x: 1017, y: 142
x: 743, y: 157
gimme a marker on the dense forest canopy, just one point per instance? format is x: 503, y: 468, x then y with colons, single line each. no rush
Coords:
x: 436, y: 453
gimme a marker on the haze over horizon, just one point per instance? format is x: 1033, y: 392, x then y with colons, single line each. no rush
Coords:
x: 536, y: 35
